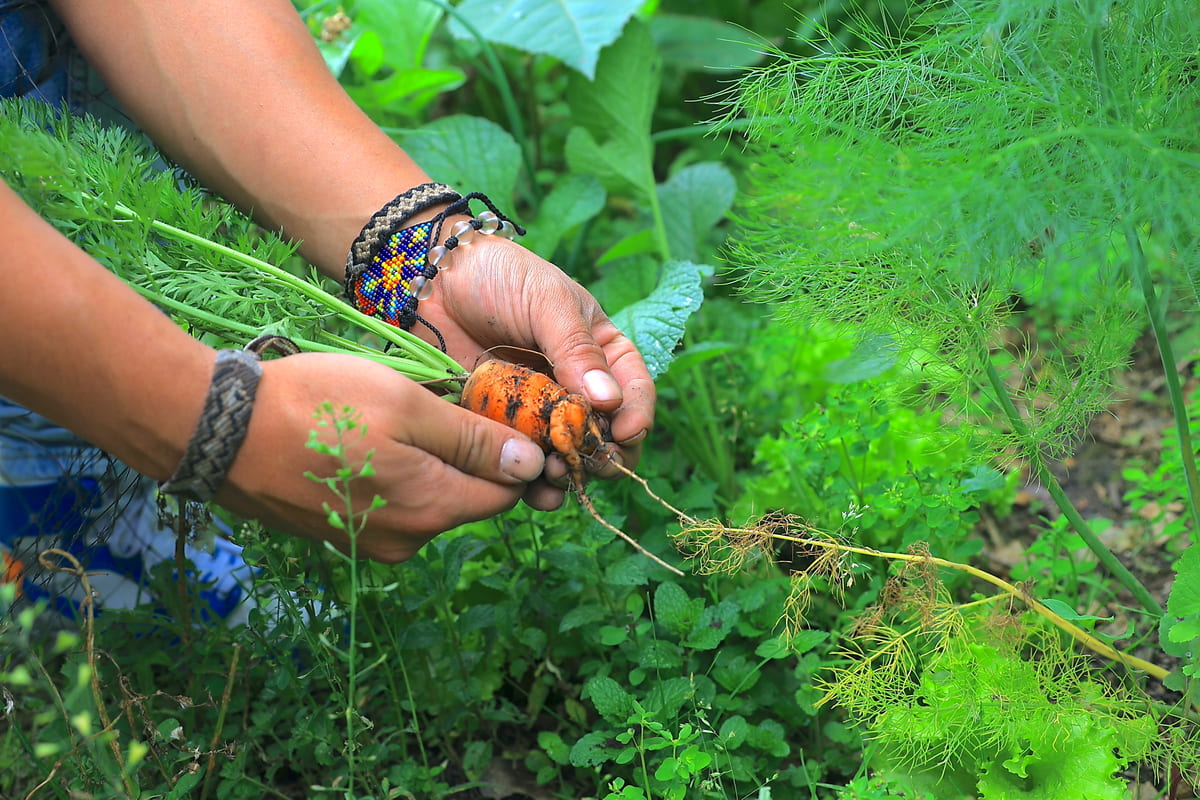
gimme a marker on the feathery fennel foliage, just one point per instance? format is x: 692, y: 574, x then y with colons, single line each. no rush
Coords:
x: 198, y: 259
x: 1014, y: 149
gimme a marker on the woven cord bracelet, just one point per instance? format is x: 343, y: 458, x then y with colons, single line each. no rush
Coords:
x: 221, y: 429
x: 389, y: 269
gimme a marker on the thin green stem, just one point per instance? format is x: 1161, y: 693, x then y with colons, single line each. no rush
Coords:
x: 414, y: 347
x: 405, y: 366
x: 1156, y: 310
x: 1077, y: 522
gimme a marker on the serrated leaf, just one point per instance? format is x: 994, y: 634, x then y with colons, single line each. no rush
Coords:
x: 656, y: 323
x: 629, y: 571
x: 592, y: 750
x: 715, y: 623
x: 693, y: 201
x: 573, y: 31
x: 777, y: 647
x: 613, y: 113
x: 672, y: 607
x: 667, y: 697
x: 469, y: 153
x: 609, y: 698
x: 554, y: 747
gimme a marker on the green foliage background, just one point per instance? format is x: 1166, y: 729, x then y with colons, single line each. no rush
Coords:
x: 902, y: 185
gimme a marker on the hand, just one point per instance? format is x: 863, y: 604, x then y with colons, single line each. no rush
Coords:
x: 496, y: 292
x: 436, y: 465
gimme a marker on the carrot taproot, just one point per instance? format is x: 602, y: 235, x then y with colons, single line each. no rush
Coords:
x: 532, y: 403
x: 558, y: 420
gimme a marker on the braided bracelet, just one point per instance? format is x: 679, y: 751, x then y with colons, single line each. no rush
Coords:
x: 389, y: 269
x: 225, y: 419
x: 221, y: 429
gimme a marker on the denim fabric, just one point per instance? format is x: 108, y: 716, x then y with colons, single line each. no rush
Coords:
x: 56, y: 491
x: 34, y: 58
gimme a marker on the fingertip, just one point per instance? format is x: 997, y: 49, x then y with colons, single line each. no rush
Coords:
x: 601, y: 388
x: 521, y: 459
x: 544, y: 497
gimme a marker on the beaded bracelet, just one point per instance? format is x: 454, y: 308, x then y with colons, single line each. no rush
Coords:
x: 389, y: 269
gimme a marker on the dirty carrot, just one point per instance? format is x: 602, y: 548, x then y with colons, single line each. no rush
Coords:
x: 559, y: 421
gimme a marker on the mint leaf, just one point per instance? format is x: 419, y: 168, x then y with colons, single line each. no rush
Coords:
x: 609, y: 698
x: 673, y: 608
x: 573, y: 31
x: 656, y: 323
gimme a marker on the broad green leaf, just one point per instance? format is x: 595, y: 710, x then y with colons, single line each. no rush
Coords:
x: 715, y: 623
x: 733, y: 731
x: 704, y: 43
x: 573, y: 31
x: 592, y: 750
x: 553, y: 746
x: 582, y: 615
x: 403, y: 27
x: 1178, y: 628
x: 638, y: 243
x: 673, y: 607
x: 471, y: 154
x: 609, y: 698
x: 656, y: 323
x: 629, y: 571
x: 574, y: 200
x: 667, y: 697
x: 613, y: 114
x: 694, y: 200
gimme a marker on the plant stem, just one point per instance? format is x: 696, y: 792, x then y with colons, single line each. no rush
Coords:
x: 1078, y: 524
x: 1075, y: 632
x: 410, y: 344
x: 1156, y: 312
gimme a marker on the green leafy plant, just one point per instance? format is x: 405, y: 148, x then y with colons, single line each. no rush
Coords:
x: 1056, y: 142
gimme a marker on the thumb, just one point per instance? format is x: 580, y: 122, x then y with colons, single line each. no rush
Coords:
x: 475, y: 445
x: 580, y: 363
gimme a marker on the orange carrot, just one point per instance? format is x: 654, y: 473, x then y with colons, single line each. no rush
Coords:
x: 556, y: 419
x: 535, y: 405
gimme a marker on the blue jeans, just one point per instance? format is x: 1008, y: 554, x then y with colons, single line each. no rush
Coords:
x: 57, y: 491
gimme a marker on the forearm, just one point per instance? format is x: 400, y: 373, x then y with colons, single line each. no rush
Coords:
x: 83, y: 349
x: 238, y: 93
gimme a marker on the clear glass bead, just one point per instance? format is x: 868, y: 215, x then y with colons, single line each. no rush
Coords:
x: 438, y: 257
x: 462, y: 230
x: 507, y: 230
x: 489, y: 222
x: 422, y: 287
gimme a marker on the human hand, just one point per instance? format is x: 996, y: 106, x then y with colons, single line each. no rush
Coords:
x: 497, y: 293
x: 436, y: 465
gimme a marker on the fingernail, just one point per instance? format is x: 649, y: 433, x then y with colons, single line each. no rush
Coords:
x: 521, y: 459
x: 637, y: 437
x: 600, y: 386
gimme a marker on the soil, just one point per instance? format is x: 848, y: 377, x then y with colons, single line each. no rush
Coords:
x: 1130, y: 433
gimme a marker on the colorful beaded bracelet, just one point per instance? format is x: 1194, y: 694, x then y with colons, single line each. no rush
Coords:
x: 390, y: 267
